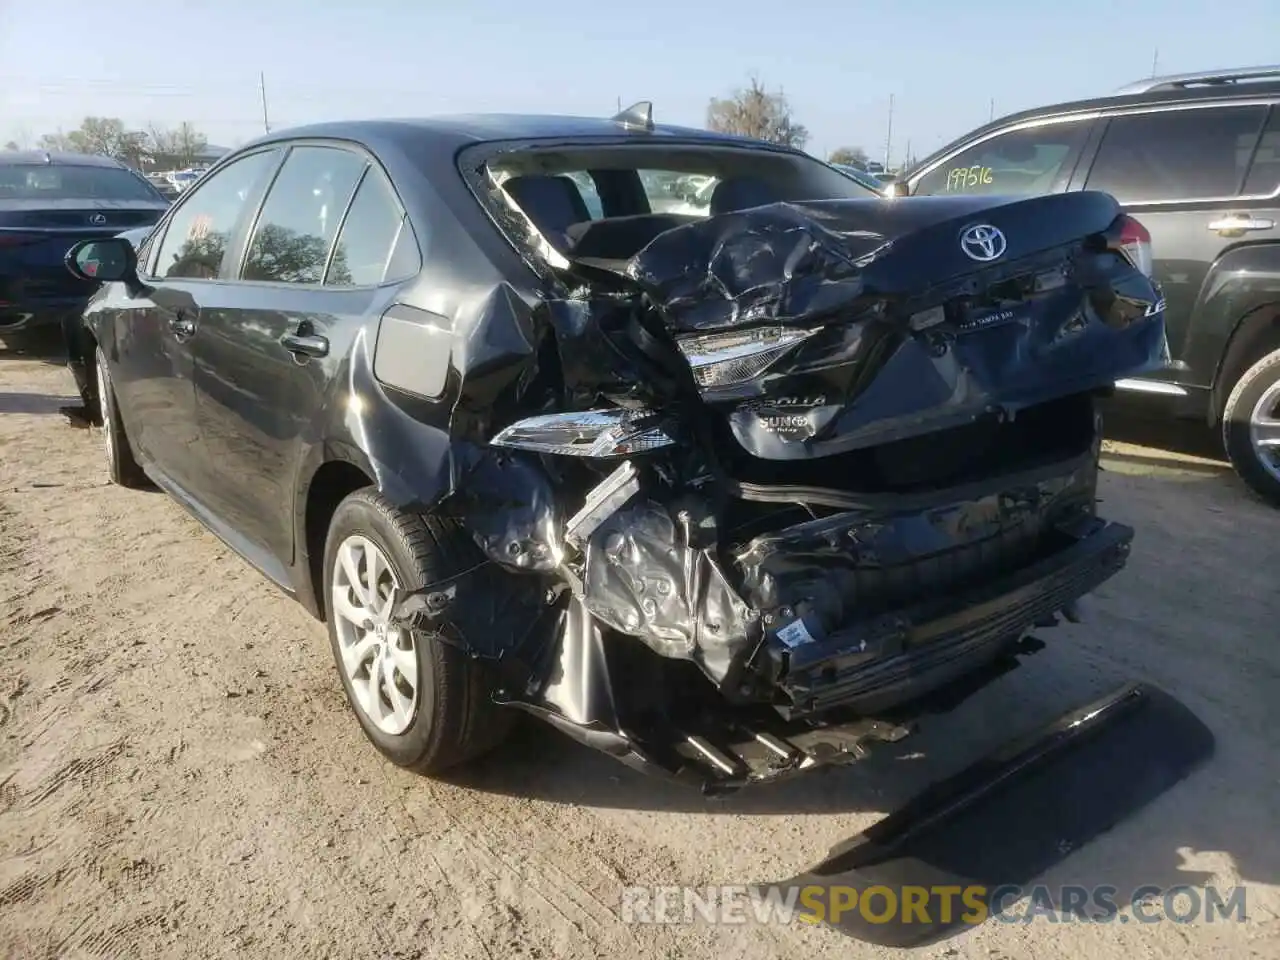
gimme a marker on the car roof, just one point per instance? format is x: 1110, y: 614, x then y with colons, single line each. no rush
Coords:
x: 46, y: 158
x: 466, y: 129
x: 1222, y: 92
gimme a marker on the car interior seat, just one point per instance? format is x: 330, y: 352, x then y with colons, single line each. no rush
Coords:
x: 553, y: 203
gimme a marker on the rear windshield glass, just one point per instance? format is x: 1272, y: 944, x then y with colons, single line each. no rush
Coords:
x: 609, y: 201
x: 29, y: 181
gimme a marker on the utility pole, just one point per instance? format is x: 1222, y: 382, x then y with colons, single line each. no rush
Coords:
x: 619, y: 104
x: 888, y: 137
x: 992, y: 114
x: 262, y: 89
x: 1155, y: 61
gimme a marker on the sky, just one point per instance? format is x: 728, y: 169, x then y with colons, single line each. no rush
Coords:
x: 943, y: 62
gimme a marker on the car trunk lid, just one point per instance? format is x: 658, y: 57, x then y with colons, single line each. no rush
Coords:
x: 822, y: 327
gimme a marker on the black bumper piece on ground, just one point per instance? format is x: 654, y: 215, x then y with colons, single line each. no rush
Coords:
x: 1007, y: 818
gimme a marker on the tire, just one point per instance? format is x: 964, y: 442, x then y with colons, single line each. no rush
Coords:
x: 1256, y: 392
x: 453, y: 718
x: 122, y: 467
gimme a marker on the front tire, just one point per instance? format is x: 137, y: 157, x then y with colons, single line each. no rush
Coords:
x: 1251, y: 428
x: 423, y: 703
x: 122, y: 467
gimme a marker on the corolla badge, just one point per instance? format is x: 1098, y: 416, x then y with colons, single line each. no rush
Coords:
x: 98, y: 219
x: 983, y: 242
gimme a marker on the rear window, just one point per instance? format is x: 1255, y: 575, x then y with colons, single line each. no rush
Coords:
x: 1177, y: 155
x: 30, y: 181
x: 634, y: 192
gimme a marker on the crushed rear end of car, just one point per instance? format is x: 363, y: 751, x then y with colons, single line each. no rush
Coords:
x: 787, y: 478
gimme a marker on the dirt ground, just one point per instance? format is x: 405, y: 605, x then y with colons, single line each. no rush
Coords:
x: 180, y: 776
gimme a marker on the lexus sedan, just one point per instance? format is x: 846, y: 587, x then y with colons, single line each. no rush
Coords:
x: 49, y: 201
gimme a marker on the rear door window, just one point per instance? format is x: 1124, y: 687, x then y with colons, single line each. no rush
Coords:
x: 376, y: 244
x: 1264, y: 175
x: 300, y: 218
x: 1027, y: 161
x: 1190, y: 154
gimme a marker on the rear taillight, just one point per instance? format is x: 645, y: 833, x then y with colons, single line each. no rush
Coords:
x: 11, y: 238
x: 1133, y: 240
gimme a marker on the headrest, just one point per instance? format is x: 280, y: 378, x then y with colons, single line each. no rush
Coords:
x: 741, y: 193
x: 553, y: 203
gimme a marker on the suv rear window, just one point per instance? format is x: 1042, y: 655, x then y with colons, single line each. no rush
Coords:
x: 38, y: 181
x: 634, y: 192
x: 1193, y: 154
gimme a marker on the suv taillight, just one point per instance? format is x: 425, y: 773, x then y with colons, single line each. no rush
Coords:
x: 1133, y: 240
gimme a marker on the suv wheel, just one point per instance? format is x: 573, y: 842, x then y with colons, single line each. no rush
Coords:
x: 1251, y: 427
x: 121, y: 465
x: 423, y: 703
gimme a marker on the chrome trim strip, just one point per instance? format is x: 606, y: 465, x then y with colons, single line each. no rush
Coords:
x: 1151, y: 386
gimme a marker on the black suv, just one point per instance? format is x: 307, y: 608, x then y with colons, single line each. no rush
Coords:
x: 1196, y: 159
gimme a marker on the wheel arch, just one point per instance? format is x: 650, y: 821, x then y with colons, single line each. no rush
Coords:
x: 329, y: 484
x: 1255, y: 335
x: 337, y: 471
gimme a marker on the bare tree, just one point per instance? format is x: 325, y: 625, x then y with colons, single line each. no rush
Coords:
x: 21, y: 140
x: 755, y: 112
x: 179, y: 145
x: 849, y: 156
x: 55, y: 141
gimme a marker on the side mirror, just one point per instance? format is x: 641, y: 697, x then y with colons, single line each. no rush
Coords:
x: 103, y: 261
x: 898, y: 188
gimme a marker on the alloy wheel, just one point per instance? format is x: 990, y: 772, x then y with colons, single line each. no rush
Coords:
x: 1264, y: 430
x: 378, y: 658
x: 104, y: 411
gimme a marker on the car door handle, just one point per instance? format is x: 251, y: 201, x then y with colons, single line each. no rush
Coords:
x: 1240, y: 224
x: 304, y: 345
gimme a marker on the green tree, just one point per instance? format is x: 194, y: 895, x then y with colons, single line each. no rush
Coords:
x: 755, y: 112
x: 107, y: 136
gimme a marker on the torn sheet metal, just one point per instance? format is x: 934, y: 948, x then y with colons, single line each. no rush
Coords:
x: 642, y: 578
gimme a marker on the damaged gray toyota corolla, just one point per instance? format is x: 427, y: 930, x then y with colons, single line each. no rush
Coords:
x: 726, y: 492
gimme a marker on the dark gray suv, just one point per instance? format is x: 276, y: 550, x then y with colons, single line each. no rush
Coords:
x: 1196, y: 159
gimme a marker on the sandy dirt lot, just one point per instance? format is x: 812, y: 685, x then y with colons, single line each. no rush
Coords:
x: 180, y: 777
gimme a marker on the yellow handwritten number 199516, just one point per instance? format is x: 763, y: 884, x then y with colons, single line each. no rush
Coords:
x: 962, y: 178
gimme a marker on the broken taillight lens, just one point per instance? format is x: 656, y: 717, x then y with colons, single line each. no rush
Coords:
x: 1132, y: 239
x: 588, y: 433
x: 735, y: 356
